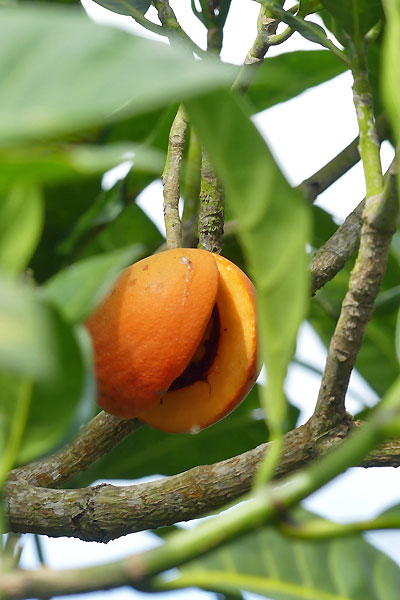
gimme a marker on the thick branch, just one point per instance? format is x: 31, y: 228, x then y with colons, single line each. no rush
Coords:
x: 99, y: 437
x: 379, y: 224
x: 105, y: 512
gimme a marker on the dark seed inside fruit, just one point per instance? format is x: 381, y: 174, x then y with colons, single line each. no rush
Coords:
x: 203, y: 358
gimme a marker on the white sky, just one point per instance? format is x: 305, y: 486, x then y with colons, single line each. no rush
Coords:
x: 300, y: 147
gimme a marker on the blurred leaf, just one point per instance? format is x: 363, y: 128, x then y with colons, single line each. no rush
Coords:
x: 77, y: 289
x: 287, y: 75
x: 21, y: 220
x: 307, y: 7
x: 356, y: 15
x: 390, y: 63
x: 26, y: 336
x: 150, y: 452
x: 60, y: 72
x: 122, y: 7
x: 36, y: 342
x: 103, y: 210
x: 265, y: 562
x: 132, y: 224
x: 273, y: 226
x: 56, y: 400
x: 64, y: 203
x: 397, y: 336
x: 50, y: 164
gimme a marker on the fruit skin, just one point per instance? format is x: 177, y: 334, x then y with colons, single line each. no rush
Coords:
x: 148, y: 328
x: 234, y: 369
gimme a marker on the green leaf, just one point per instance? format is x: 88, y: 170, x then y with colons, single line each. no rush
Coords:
x: 310, y: 31
x: 51, y: 164
x: 123, y: 7
x: 267, y: 563
x: 21, y: 220
x: 397, y: 336
x: 283, y: 77
x: 391, y: 61
x: 307, y: 7
x: 273, y: 225
x: 60, y: 72
x: 356, y: 17
x: 77, y: 289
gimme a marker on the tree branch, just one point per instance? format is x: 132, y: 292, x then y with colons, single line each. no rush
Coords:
x: 171, y: 179
x: 99, y: 437
x: 106, y: 512
x: 212, y: 208
x: 262, y: 506
x: 332, y: 256
x: 379, y: 224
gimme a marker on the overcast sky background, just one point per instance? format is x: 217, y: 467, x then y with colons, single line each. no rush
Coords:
x: 303, y: 134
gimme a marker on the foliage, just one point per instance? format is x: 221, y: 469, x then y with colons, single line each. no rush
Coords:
x: 77, y: 100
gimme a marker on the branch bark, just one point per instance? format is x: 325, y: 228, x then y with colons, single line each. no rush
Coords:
x: 105, y: 512
x: 379, y: 224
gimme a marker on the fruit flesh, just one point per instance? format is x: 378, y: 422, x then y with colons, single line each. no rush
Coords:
x: 233, y: 370
x: 146, y: 331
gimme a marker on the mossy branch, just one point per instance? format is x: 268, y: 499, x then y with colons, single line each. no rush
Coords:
x: 212, y: 208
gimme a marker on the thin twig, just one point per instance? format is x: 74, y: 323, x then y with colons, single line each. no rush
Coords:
x: 332, y: 256
x: 171, y: 179
x: 172, y: 28
x: 266, y: 29
x: 338, y: 165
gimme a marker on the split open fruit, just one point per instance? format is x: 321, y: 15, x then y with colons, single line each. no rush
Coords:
x: 175, y: 341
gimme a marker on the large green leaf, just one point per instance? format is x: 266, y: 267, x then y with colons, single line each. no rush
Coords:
x: 267, y: 563
x: 282, y: 77
x: 273, y: 225
x: 356, y: 17
x: 21, y: 220
x: 78, y: 288
x: 149, y: 452
x: 60, y: 72
x: 53, y: 163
